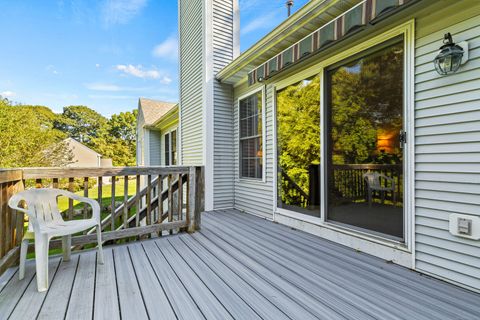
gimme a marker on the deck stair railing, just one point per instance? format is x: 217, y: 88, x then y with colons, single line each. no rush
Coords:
x: 132, y: 212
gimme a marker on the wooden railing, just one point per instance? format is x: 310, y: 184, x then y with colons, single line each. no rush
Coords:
x: 349, y: 183
x: 136, y: 202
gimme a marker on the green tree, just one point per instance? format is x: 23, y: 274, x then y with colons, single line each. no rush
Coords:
x: 81, y: 123
x: 28, y: 138
x: 117, y: 139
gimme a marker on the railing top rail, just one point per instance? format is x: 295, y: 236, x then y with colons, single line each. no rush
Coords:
x: 39, y: 173
x: 10, y: 175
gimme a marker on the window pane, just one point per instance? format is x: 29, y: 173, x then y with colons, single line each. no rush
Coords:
x: 298, y: 142
x: 174, y: 147
x: 365, y: 160
x: 167, y: 149
x: 251, y: 152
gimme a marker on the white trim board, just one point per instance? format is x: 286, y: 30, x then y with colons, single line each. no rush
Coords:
x: 383, y: 251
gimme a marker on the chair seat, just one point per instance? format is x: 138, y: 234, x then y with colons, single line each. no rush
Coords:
x: 62, y: 228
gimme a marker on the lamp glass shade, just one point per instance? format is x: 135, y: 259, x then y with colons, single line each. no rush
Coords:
x: 448, y: 59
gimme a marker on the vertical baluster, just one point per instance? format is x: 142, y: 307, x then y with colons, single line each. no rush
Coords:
x: 170, y: 201
x: 180, y: 197
x: 149, y: 200
x: 160, y: 199
x: 70, y: 201
x: 85, y: 194
x: 125, y: 202
x: 55, y: 183
x: 187, y: 200
x: 3, y: 226
x: 19, y: 223
x: 138, y: 201
x: 112, y: 204
x: 38, y: 183
x: 100, y: 191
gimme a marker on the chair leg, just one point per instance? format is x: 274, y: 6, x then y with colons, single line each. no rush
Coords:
x: 67, y: 247
x: 369, y: 197
x: 23, y: 258
x: 41, y: 257
x: 99, y: 240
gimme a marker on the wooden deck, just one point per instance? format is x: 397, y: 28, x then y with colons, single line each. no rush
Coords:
x: 237, y: 267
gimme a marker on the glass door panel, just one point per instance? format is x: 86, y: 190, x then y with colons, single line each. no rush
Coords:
x: 364, y: 129
x: 298, y: 147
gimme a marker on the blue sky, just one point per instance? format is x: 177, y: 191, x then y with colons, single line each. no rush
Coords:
x: 103, y: 54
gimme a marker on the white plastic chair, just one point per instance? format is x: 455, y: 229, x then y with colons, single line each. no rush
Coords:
x: 374, y: 184
x: 46, y: 222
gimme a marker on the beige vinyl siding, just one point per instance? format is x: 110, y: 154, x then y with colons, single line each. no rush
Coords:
x: 191, y: 39
x: 223, y: 53
x: 256, y: 196
x: 154, y: 142
x: 447, y: 151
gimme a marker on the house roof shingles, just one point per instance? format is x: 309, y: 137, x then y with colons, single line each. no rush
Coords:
x: 152, y: 110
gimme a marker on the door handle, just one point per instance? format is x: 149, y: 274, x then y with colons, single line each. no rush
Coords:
x: 403, y: 138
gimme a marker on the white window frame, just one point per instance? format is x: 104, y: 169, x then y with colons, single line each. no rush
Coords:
x: 403, y: 253
x: 170, y: 158
x: 264, y: 140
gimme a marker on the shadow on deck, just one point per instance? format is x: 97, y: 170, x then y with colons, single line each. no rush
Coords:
x: 237, y: 267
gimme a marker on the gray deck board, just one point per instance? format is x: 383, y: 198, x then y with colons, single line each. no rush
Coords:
x: 56, y: 301
x: 155, y: 299
x: 106, y: 295
x: 237, y: 267
x: 80, y: 305
x: 29, y: 306
x: 129, y: 294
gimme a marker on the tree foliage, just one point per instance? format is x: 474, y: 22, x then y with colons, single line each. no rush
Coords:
x: 81, y: 123
x: 28, y: 137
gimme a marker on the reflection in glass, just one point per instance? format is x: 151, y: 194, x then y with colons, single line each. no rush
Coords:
x: 365, y: 159
x: 298, y: 143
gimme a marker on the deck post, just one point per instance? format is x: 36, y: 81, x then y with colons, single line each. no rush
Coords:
x: 196, y: 198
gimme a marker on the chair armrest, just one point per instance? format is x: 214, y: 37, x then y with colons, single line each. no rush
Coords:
x: 93, y: 203
x: 392, y: 181
x: 13, y: 204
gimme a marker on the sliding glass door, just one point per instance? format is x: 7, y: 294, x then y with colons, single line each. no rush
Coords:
x: 364, y: 127
x: 298, y: 147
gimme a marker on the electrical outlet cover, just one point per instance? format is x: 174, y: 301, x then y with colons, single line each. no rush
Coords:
x: 475, y: 226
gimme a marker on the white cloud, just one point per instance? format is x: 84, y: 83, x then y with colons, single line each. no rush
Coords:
x: 138, y: 71
x: 165, y: 80
x: 121, y: 11
x: 97, y: 65
x: 8, y: 94
x: 267, y: 21
x: 51, y: 68
x: 167, y: 49
x: 110, y: 97
x: 97, y: 86
x: 100, y: 86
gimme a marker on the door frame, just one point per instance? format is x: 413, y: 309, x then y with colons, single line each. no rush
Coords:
x: 406, y: 29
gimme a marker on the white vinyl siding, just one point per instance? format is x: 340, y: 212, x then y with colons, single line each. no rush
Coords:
x: 447, y: 138
x: 154, y: 143
x: 223, y: 50
x: 191, y: 39
x: 245, y: 190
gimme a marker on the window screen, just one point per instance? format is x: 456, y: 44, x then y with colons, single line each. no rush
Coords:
x: 251, y: 146
x: 174, y: 147
x: 167, y: 149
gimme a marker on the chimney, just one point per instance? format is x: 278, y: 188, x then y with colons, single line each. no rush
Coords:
x: 204, y: 102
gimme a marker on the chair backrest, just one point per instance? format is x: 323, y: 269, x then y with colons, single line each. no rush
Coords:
x: 373, y: 179
x: 41, y: 204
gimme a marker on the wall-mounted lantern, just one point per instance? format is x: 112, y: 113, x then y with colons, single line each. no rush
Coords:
x: 451, y: 56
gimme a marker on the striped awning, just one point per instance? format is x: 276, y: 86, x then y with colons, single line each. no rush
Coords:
x: 366, y: 12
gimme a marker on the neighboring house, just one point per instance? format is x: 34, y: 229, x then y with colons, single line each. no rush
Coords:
x: 299, y: 127
x: 83, y: 156
x: 157, y: 124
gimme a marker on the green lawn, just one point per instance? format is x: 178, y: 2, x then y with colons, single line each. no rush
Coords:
x: 106, y: 195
